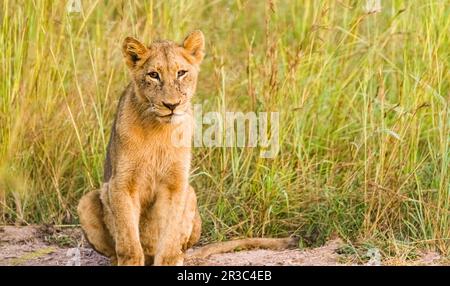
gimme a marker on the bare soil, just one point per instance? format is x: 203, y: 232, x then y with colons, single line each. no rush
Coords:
x: 50, y: 245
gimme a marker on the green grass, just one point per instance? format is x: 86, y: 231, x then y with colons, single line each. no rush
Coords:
x: 363, y: 102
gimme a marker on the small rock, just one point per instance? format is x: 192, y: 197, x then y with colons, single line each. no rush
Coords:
x: 75, y: 257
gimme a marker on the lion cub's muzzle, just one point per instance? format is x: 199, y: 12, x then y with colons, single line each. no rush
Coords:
x: 166, y: 112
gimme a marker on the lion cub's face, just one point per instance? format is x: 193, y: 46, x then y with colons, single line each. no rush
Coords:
x: 165, y: 75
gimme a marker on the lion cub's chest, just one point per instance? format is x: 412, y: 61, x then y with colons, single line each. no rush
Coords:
x: 154, y: 161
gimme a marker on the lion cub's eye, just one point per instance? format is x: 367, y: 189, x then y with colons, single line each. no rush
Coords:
x: 154, y: 75
x: 181, y: 73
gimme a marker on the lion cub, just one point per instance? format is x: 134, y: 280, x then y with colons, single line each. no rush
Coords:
x: 146, y: 213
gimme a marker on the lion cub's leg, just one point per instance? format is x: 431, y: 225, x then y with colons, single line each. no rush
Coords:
x: 176, y: 209
x: 121, y: 216
x: 169, y: 215
x: 90, y: 212
x: 188, y: 232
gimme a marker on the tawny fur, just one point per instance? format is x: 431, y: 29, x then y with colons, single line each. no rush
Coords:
x: 146, y: 213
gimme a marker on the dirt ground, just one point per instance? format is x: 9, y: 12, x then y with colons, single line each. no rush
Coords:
x: 49, y: 245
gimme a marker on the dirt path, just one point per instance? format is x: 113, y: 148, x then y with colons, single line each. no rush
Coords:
x: 47, y: 245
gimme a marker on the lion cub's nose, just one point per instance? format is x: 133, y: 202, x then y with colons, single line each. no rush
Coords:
x: 171, y: 106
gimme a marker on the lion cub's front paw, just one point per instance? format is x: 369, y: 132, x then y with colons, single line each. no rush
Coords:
x: 175, y: 260
x: 130, y: 260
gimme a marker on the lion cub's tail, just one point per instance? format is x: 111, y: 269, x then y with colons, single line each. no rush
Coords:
x: 248, y: 243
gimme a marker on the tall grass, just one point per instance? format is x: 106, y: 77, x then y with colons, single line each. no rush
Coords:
x: 363, y: 101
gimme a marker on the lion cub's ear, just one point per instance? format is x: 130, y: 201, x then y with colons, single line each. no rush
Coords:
x: 195, y: 45
x: 135, y: 52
